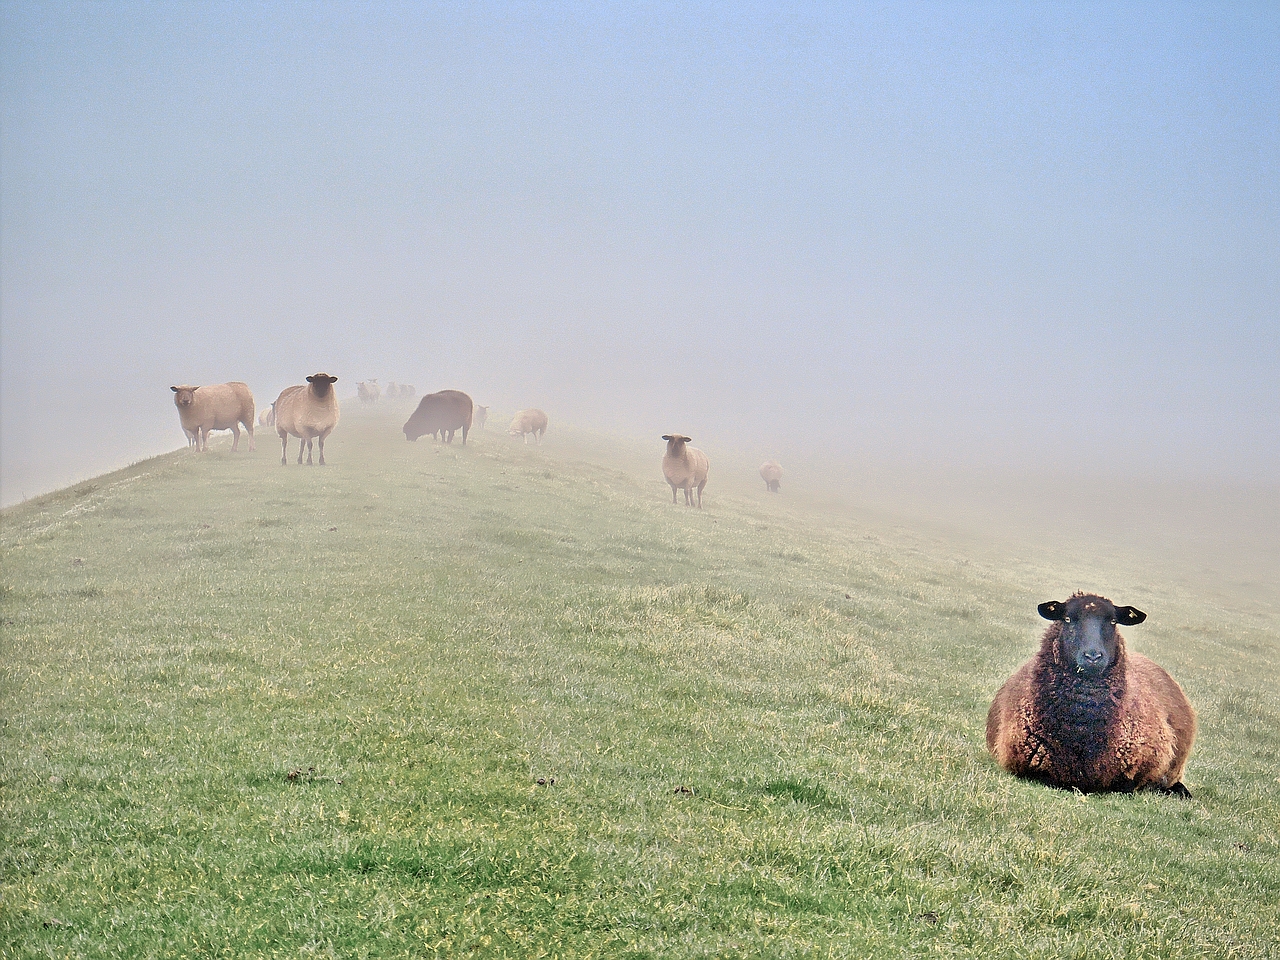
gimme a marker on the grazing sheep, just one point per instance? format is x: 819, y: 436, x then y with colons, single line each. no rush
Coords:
x: 529, y: 421
x: 368, y: 392
x: 481, y: 415
x: 771, y: 474
x: 684, y: 467
x: 267, y: 418
x: 1084, y: 713
x: 441, y: 413
x: 308, y: 413
x: 219, y: 406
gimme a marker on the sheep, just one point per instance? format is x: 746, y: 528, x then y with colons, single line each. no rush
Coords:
x: 684, y: 467
x: 771, y: 474
x: 308, y: 413
x: 440, y: 413
x: 267, y: 418
x: 529, y: 421
x: 481, y: 414
x: 218, y: 406
x: 392, y: 392
x: 1084, y: 713
x: 368, y: 392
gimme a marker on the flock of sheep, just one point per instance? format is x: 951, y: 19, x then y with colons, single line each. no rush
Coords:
x: 1082, y: 714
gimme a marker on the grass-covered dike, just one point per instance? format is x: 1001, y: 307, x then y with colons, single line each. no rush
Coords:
x: 507, y: 701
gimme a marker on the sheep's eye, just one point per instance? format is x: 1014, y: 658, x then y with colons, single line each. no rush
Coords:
x: 1067, y: 619
x: 1113, y: 620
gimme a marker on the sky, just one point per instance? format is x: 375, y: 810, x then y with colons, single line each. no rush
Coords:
x: 999, y: 236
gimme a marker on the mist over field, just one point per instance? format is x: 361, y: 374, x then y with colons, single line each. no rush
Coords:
x: 933, y: 251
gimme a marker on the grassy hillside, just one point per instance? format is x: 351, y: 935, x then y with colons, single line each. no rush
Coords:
x: 508, y: 701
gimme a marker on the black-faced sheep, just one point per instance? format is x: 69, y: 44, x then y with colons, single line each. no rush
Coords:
x: 771, y: 474
x: 685, y: 468
x: 529, y: 421
x: 218, y: 406
x: 307, y: 412
x: 1084, y: 713
x: 442, y: 413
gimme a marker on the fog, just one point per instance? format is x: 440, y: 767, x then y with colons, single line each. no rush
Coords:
x: 958, y: 243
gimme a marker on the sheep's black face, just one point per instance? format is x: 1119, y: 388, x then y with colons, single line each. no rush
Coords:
x: 1089, y: 642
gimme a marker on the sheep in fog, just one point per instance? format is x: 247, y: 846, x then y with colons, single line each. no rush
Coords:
x: 440, y: 413
x: 529, y: 421
x: 368, y: 391
x: 267, y: 418
x: 307, y: 412
x: 218, y: 406
x: 481, y: 415
x: 685, y: 468
x: 1084, y: 713
x: 771, y: 474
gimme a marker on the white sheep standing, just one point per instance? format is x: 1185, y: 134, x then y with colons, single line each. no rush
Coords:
x: 218, y: 406
x: 771, y: 474
x: 307, y: 412
x: 529, y: 421
x: 685, y: 467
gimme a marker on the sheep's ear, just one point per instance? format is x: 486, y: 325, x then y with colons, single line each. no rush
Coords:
x: 665, y: 436
x: 333, y: 379
x: 311, y: 379
x: 174, y: 389
x: 1129, y: 616
x: 1052, y: 610
x: 687, y: 439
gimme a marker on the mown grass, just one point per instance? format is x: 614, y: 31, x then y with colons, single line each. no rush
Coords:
x: 508, y: 701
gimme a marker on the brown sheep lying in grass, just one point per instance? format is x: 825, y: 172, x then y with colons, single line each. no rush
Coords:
x: 307, y: 412
x: 218, y: 406
x: 685, y: 468
x: 1084, y: 713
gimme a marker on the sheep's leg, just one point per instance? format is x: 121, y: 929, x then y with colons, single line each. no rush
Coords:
x: 253, y: 444
x: 204, y: 440
x: 235, y: 432
x: 311, y: 444
x: 464, y: 434
x: 284, y: 449
x: 302, y: 445
x: 673, y: 492
x: 322, y: 450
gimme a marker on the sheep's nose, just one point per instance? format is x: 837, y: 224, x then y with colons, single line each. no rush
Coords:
x: 1092, y: 656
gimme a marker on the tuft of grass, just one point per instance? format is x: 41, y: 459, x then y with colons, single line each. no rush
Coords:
x: 508, y: 701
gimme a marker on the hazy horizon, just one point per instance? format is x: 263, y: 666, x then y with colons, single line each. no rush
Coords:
x: 981, y: 239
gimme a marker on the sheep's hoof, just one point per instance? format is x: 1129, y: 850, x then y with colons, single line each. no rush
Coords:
x: 1179, y: 790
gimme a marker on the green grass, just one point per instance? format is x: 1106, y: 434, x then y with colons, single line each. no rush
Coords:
x: 251, y: 710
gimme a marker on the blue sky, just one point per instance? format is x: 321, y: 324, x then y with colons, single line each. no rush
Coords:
x: 981, y: 235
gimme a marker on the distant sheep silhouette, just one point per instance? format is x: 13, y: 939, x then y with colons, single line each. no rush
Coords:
x: 1084, y: 713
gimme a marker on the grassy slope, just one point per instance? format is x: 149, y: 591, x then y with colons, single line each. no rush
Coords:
x: 433, y: 629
